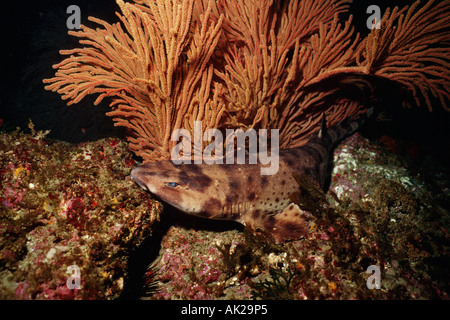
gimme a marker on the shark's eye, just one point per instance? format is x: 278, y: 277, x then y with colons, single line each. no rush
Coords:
x: 172, y: 184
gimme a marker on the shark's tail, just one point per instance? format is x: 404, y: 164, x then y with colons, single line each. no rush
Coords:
x: 331, y: 137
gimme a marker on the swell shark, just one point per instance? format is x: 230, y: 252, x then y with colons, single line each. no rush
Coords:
x: 239, y: 192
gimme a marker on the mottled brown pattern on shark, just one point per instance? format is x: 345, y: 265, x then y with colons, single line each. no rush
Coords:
x: 239, y: 192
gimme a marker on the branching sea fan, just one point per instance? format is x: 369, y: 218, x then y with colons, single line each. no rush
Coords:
x: 262, y: 64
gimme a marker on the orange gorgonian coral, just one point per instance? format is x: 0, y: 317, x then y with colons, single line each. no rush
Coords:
x: 250, y: 64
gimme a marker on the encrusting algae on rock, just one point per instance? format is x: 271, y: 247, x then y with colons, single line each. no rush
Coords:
x: 64, y: 205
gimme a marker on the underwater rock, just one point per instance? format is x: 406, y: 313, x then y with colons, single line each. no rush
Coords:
x: 65, y: 205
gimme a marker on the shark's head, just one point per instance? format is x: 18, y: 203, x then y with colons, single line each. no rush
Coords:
x: 183, y: 186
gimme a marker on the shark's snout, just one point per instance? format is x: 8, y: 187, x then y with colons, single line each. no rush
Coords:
x: 135, y: 175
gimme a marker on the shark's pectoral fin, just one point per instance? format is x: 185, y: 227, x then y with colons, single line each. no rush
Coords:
x: 290, y: 224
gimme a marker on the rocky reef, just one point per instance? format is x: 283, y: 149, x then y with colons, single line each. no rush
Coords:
x: 63, y: 205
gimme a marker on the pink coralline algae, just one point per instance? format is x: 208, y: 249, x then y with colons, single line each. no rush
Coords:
x: 67, y: 205
x: 176, y: 262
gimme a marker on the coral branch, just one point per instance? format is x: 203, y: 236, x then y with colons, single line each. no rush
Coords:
x: 412, y: 49
x: 152, y: 67
x: 250, y: 64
